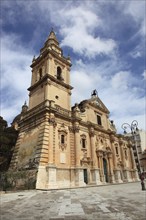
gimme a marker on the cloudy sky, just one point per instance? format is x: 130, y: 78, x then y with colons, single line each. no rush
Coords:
x: 106, y: 42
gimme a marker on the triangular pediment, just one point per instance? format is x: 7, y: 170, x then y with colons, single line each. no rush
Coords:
x: 94, y: 102
x: 97, y: 103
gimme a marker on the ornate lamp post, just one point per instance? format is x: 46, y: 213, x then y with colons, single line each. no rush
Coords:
x: 134, y: 129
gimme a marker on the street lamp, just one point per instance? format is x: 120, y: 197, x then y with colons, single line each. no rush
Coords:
x: 134, y: 129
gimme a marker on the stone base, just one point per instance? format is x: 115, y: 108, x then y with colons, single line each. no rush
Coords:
x: 41, y: 178
x: 97, y: 177
x: 79, y: 177
x: 118, y: 178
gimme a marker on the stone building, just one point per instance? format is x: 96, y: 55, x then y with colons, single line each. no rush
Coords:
x: 69, y: 146
x: 138, y: 139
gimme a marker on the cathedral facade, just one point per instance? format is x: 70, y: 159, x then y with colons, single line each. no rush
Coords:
x: 68, y: 146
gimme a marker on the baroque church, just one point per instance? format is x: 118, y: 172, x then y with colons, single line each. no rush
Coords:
x: 68, y: 146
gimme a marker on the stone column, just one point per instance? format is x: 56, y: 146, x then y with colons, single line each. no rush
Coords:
x: 47, y: 85
x: 79, y: 178
x: 52, y: 124
x: 135, y: 173
x: 51, y: 167
x: 94, y: 158
x: 112, y: 180
x: 112, y: 139
x: 93, y: 151
x: 122, y: 153
x: 132, y: 158
x: 77, y: 144
x: 100, y: 156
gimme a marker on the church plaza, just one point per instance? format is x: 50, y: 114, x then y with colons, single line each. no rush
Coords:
x: 113, y: 202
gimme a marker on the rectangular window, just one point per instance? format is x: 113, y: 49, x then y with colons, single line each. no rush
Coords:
x: 117, y: 150
x: 62, y: 139
x: 99, y: 120
x: 83, y: 143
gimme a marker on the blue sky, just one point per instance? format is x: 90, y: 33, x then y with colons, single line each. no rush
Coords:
x: 106, y: 42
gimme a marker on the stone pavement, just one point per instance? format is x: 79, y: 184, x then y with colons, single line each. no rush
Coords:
x: 112, y: 202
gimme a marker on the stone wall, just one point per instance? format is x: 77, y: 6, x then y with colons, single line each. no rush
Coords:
x: 18, y: 180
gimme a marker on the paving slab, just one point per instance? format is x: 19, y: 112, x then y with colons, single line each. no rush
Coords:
x: 112, y: 202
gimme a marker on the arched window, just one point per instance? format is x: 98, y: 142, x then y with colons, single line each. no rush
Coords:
x: 116, y: 148
x: 62, y: 139
x: 83, y: 143
x: 59, y: 71
x: 99, y: 120
x: 40, y: 73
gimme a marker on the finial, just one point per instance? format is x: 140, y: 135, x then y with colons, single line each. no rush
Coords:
x: 24, y: 108
x: 94, y: 93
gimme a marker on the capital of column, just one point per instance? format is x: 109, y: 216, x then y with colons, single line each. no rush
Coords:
x: 109, y: 155
x: 100, y: 153
x: 52, y: 122
x: 76, y: 128
x: 91, y: 132
x: 121, y: 141
x: 112, y: 138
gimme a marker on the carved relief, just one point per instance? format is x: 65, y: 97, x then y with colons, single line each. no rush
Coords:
x: 62, y: 136
x: 85, y: 161
x: 119, y: 162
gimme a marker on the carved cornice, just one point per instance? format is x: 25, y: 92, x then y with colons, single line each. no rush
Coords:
x: 52, y: 78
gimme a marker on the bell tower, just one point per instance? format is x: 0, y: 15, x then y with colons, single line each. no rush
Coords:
x: 50, y: 76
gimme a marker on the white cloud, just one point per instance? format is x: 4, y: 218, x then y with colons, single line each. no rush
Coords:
x: 15, y: 75
x: 85, y: 44
x: 120, y: 80
x: 79, y: 33
x: 135, y: 54
x: 144, y: 75
x: 118, y: 92
x: 137, y: 10
x: 83, y: 27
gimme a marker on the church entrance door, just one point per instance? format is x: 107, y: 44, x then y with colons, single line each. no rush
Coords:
x: 85, y: 176
x: 105, y: 170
